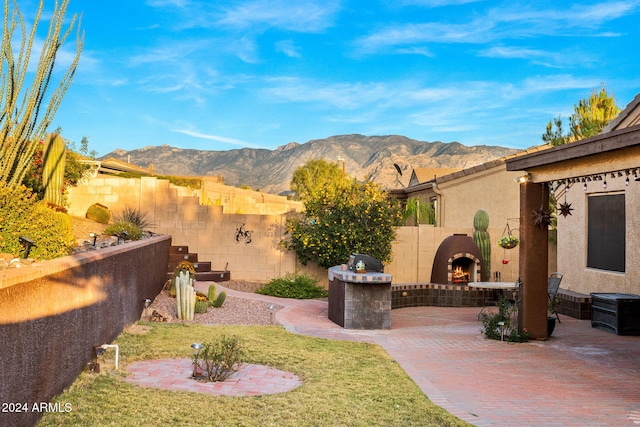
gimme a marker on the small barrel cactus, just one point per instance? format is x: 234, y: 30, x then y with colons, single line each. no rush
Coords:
x: 201, y: 307
x: 99, y: 213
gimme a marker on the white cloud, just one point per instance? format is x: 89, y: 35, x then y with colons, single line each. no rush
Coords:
x: 170, y: 3
x: 301, y: 16
x: 289, y: 48
x: 217, y: 138
x: 513, y: 22
x: 435, y: 3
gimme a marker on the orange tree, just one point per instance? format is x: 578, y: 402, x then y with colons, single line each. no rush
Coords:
x: 351, y: 217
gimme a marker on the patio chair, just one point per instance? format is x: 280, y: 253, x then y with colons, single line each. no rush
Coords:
x: 552, y: 290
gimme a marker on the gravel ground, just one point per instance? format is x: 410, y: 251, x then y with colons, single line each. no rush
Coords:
x: 234, y: 311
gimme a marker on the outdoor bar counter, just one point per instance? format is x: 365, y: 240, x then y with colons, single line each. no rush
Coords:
x: 359, y: 300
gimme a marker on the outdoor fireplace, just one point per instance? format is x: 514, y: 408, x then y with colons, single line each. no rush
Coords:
x: 458, y: 261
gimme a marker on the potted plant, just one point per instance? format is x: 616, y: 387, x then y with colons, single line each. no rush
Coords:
x: 552, y: 310
x: 508, y: 242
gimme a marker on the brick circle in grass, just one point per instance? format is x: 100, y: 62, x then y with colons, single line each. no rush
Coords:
x: 174, y: 374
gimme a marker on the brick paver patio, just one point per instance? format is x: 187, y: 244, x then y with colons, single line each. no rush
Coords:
x: 581, y: 376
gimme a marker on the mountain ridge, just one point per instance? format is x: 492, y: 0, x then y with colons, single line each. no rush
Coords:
x: 371, y: 157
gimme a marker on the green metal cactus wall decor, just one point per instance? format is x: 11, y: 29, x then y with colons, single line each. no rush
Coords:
x: 481, y: 237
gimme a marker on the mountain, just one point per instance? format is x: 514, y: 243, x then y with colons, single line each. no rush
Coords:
x: 271, y: 170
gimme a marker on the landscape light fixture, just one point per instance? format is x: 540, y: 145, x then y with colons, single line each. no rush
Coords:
x: 147, y: 303
x: 271, y: 307
x: 501, y: 326
x: 196, y: 346
x: 95, y: 238
x: 27, y: 244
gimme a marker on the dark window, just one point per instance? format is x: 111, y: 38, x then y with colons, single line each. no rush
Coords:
x: 606, y: 232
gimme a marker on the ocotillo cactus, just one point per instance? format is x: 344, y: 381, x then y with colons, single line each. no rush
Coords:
x: 54, y: 158
x: 481, y: 237
x: 185, y: 296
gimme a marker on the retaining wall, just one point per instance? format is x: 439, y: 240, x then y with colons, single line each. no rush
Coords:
x: 53, y: 313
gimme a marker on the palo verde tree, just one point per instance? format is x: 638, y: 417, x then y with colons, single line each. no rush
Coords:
x: 27, y: 111
x: 589, y: 117
x: 317, y: 175
x: 345, y: 217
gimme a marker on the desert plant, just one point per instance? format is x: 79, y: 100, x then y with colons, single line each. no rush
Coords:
x: 418, y: 211
x: 54, y: 159
x: 299, y: 286
x: 217, y: 303
x: 503, y: 325
x: 185, y: 296
x: 98, y: 213
x: 483, y: 241
x: 220, y: 358
x: 24, y: 121
x: 212, y: 293
x: 336, y: 222
x: 124, y: 230
x: 183, y: 266
x: 22, y: 215
x: 134, y: 216
x: 201, y: 307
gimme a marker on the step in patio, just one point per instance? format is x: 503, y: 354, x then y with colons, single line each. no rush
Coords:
x: 204, y: 273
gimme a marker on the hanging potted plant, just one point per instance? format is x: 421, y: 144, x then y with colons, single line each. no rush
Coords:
x: 508, y: 242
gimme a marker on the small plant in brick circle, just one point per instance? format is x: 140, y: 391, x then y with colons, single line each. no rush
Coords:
x: 219, y: 359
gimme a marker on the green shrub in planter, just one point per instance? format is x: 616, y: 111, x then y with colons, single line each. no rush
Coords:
x: 133, y: 231
x: 22, y: 215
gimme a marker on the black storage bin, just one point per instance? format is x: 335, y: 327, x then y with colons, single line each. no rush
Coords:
x: 617, y: 313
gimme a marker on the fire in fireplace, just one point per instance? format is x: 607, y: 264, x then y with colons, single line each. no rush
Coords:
x: 457, y: 261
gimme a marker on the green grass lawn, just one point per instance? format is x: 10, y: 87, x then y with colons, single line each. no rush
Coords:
x: 344, y: 384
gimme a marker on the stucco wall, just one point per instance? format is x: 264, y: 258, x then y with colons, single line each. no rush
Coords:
x: 493, y: 190
x: 572, y: 242
x: 54, y: 313
x: 415, y: 249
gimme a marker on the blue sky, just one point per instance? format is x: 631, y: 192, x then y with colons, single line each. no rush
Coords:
x: 222, y: 75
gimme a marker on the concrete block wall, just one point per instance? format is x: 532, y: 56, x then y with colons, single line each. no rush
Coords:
x: 210, y: 231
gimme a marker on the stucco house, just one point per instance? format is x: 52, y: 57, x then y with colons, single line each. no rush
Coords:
x: 597, y: 181
x: 456, y: 196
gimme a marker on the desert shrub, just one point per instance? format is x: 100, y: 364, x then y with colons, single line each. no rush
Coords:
x: 22, y: 215
x: 299, y: 286
x: 351, y: 218
x: 220, y: 358
x: 503, y: 323
x: 134, y: 216
x: 133, y: 232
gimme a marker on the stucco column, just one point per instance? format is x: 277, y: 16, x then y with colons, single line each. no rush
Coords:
x: 534, y: 248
